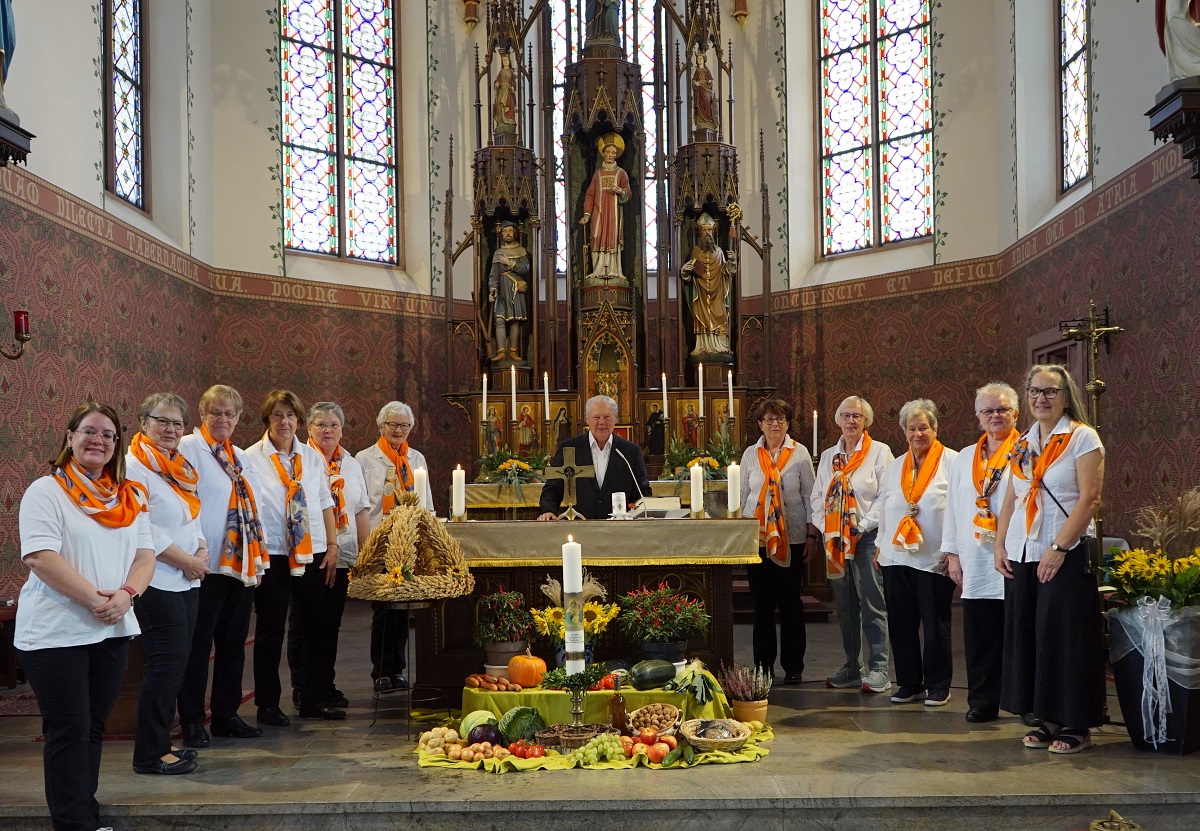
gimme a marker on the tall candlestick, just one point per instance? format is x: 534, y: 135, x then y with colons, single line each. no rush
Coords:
x: 484, y: 408
x: 420, y: 483
x: 729, y: 381
x: 664, y: 390
x: 697, y: 473
x: 458, y: 492
x: 513, y: 386
x: 733, y: 501
x: 814, y: 453
x: 546, y: 393
x: 21, y: 325
x: 700, y: 384
x: 572, y: 586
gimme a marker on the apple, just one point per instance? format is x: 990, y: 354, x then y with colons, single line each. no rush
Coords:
x: 657, y: 752
x: 647, y: 735
x: 638, y: 748
x: 669, y: 741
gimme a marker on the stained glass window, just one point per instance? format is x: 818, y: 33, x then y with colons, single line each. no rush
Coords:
x: 876, y: 137
x: 1074, y: 98
x: 337, y: 64
x: 124, y: 136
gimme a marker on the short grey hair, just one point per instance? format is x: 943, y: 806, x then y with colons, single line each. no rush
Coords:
x: 599, y: 399
x: 867, y: 410
x: 1001, y: 390
x: 220, y: 392
x: 161, y: 399
x: 325, y: 407
x: 392, y: 408
x: 918, y: 406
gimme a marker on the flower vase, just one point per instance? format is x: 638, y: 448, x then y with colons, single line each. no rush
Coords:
x: 560, y: 653
x: 500, y: 653
x: 671, y: 651
x: 749, y: 710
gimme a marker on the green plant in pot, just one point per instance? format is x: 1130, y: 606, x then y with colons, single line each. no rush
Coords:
x: 503, y: 626
x: 661, y: 619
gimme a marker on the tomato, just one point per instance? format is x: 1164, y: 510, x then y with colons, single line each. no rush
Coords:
x: 535, y: 751
x: 647, y: 735
x: 669, y: 741
x: 517, y: 749
x: 609, y: 682
x: 657, y: 752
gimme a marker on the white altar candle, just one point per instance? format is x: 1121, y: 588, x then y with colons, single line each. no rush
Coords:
x: 513, y: 386
x: 700, y: 384
x: 483, y: 410
x: 697, y: 488
x: 546, y: 393
x: 420, y: 483
x: 729, y: 381
x: 458, y: 491
x: 814, y: 453
x: 664, y: 390
x: 572, y: 554
x: 734, y: 485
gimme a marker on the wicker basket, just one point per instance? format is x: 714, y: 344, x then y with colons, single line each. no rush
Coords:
x: 568, y: 737
x: 664, y: 731
x: 740, y: 734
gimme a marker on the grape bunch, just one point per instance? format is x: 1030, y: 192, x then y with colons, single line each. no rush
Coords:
x: 605, y: 747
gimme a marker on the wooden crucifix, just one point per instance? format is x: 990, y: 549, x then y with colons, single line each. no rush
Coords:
x: 569, y: 472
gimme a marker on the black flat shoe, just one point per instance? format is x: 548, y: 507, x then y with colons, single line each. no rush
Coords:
x: 980, y: 715
x: 792, y: 678
x: 1030, y: 720
x: 273, y: 717
x: 235, y: 728
x: 326, y: 713
x: 184, y: 753
x: 158, y: 766
x: 194, y: 735
x: 399, y: 682
x: 338, y: 699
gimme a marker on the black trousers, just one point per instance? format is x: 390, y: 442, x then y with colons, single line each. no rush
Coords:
x: 168, y: 620
x: 983, y: 643
x: 389, y: 640
x: 313, y: 624
x: 271, y: 600
x: 222, y: 621
x: 918, y: 602
x: 774, y: 587
x: 1053, y: 644
x: 76, y: 687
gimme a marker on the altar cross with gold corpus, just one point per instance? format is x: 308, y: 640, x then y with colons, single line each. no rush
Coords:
x: 569, y: 472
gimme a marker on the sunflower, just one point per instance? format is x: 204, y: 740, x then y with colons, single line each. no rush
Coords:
x: 396, y: 575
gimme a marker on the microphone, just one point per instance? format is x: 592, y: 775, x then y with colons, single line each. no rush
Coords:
x: 617, y: 450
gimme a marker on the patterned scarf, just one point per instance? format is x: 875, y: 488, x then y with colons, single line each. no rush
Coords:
x: 110, y: 504
x: 772, y: 527
x: 399, y: 476
x: 841, y: 511
x: 337, y: 483
x: 1031, y: 466
x: 913, y: 484
x: 295, y: 511
x: 986, y: 474
x: 172, y: 466
x: 243, y: 547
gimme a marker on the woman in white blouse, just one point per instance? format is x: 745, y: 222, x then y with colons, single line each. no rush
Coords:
x: 297, y: 519
x: 777, y: 476
x: 86, y: 538
x: 167, y: 610
x: 388, y: 467
x: 912, y: 508
x: 848, y: 479
x: 1054, y: 654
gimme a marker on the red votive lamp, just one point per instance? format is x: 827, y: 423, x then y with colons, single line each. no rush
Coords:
x: 21, y: 325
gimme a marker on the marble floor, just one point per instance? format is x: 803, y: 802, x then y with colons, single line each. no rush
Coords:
x: 840, y: 760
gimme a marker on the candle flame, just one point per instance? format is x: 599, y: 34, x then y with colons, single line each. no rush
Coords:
x: 570, y: 538
x: 458, y: 467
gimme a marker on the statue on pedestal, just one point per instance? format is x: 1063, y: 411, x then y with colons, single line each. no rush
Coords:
x: 508, y: 293
x: 602, y: 19
x: 603, y: 212
x: 704, y: 114
x: 1179, y: 36
x: 707, y: 280
x: 8, y: 43
x: 504, y: 98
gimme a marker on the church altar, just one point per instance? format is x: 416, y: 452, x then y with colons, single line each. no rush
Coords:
x: 696, y: 557
x: 502, y: 496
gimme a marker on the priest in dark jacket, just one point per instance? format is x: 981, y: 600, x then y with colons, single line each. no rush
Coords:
x: 618, y: 463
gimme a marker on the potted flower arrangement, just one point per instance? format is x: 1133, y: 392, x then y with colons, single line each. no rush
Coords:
x: 747, y: 688
x: 507, y: 468
x: 662, y: 620
x: 551, y: 622
x: 1154, y: 630
x: 503, y: 626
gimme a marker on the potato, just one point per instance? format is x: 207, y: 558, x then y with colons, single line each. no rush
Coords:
x: 437, y: 751
x: 451, y: 736
x: 436, y: 742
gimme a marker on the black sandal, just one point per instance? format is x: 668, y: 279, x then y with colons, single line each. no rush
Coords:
x: 1075, y: 741
x: 1042, y: 737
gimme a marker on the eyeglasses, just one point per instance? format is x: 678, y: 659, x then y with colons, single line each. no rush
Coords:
x: 324, y: 425
x: 229, y: 414
x: 855, y: 417
x: 998, y: 411
x: 106, y: 436
x: 773, y: 420
x: 396, y: 425
x: 1050, y: 393
x: 166, y: 422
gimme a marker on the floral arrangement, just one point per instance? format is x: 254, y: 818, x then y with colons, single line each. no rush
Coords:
x: 502, y: 617
x: 557, y: 679
x: 659, y: 615
x: 551, y: 622
x: 745, y: 683
x: 678, y: 454
x: 509, y: 468
x: 1170, y: 565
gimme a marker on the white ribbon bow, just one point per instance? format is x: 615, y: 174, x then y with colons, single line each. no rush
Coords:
x: 1156, y: 699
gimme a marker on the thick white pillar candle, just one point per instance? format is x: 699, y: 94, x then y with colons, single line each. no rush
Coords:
x: 734, y: 483
x: 546, y: 393
x: 697, y: 488
x: 420, y: 483
x: 572, y: 554
x: 664, y: 390
x: 700, y: 384
x: 513, y: 387
x: 814, y: 453
x: 458, y: 491
x: 572, y: 586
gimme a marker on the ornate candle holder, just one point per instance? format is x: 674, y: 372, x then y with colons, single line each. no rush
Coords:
x: 577, y: 708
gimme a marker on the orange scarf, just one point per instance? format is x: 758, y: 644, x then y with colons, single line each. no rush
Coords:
x: 772, y: 526
x: 175, y: 470
x: 110, y: 504
x: 399, y: 476
x: 295, y: 511
x: 908, y: 532
x: 841, y: 511
x: 243, y: 547
x: 986, y: 474
x: 1032, y: 468
x: 337, y: 483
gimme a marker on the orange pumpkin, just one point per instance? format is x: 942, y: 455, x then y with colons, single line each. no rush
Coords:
x: 526, y: 670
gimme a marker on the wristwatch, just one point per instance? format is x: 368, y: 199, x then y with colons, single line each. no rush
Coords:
x: 133, y: 596
x: 1056, y: 547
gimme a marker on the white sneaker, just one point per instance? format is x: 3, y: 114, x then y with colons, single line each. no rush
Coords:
x: 876, y: 681
x: 844, y: 678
